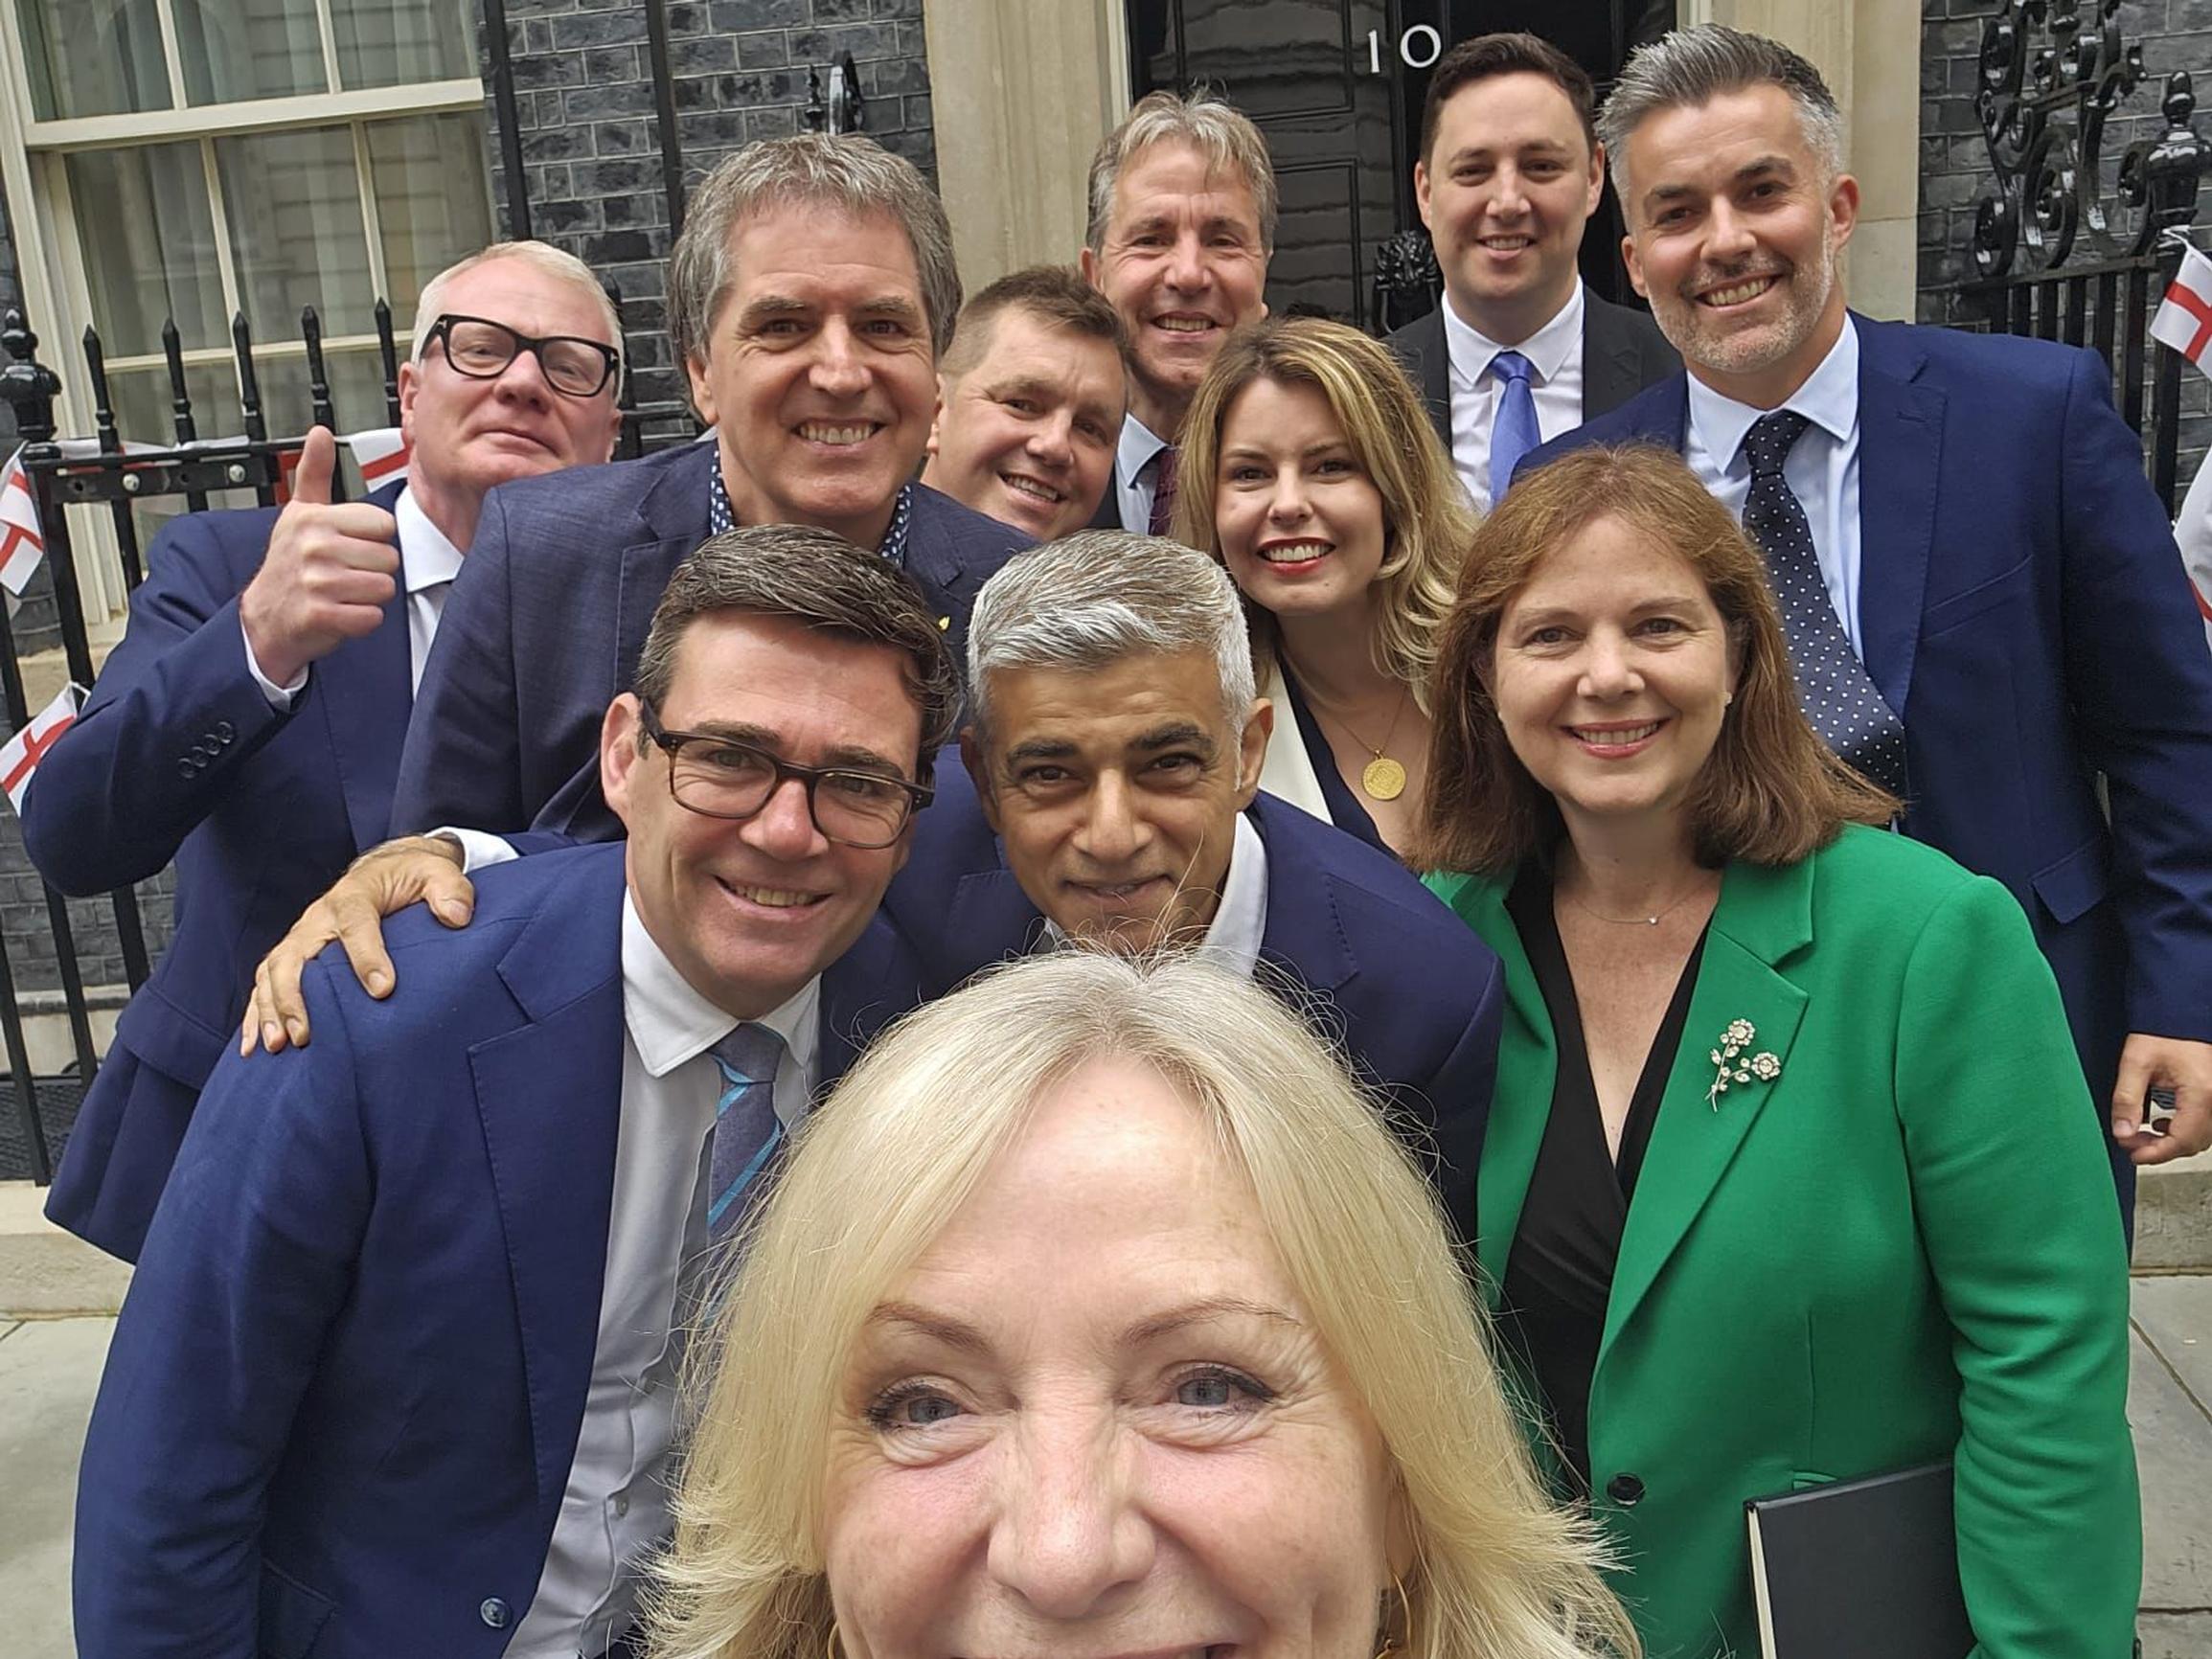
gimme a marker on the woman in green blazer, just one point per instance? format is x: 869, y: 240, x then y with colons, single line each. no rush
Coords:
x: 1791, y: 1173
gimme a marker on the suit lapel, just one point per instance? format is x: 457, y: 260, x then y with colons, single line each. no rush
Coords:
x: 366, y: 691
x: 990, y: 904
x: 1517, y: 1127
x: 1764, y: 916
x: 671, y: 523
x: 1610, y: 369
x: 1900, y: 465
x: 549, y: 1097
x: 1432, y: 369
x: 1304, y: 932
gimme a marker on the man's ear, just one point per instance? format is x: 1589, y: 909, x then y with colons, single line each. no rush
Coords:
x: 1086, y: 262
x: 936, y: 420
x: 1252, y: 750
x: 410, y: 384
x: 1843, y: 207
x: 1635, y: 264
x: 620, y: 763
x: 702, y: 393
x: 978, y: 764
x: 1597, y: 180
x: 1421, y: 191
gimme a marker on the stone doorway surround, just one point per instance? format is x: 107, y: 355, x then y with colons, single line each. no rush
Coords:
x: 1022, y: 90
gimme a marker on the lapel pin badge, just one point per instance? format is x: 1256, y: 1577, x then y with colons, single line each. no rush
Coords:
x: 1735, y: 1067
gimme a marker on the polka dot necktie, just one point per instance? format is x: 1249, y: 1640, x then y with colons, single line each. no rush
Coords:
x: 1513, y: 434
x: 1839, y: 698
x: 746, y: 1131
x: 1163, y: 469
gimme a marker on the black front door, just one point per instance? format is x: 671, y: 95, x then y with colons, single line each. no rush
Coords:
x: 1336, y: 86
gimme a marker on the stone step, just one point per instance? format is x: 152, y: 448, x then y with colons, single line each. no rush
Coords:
x: 44, y: 1271
x: 2174, y: 1217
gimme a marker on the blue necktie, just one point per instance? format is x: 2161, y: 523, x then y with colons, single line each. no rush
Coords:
x: 1840, y: 697
x: 1514, y: 433
x: 746, y: 1132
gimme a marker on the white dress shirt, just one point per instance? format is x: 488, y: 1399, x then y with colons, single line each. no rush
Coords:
x: 1822, y: 468
x: 1239, y: 924
x: 428, y: 563
x: 1554, y: 358
x: 1134, y: 492
x: 615, y: 1509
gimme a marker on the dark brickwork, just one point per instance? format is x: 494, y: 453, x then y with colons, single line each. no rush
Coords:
x: 591, y: 137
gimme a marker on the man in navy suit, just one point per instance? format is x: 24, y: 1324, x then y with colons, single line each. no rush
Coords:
x: 397, y: 1375
x: 810, y: 296
x: 1112, y: 799
x: 1510, y: 172
x: 249, y: 723
x: 1985, y: 607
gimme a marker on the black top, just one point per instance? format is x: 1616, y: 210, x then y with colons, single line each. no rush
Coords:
x: 1345, y: 810
x: 1560, y: 1271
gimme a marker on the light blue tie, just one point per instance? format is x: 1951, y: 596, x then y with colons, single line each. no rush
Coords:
x: 746, y: 1131
x: 1514, y: 433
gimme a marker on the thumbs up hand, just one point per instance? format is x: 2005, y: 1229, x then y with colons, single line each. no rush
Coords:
x: 329, y: 573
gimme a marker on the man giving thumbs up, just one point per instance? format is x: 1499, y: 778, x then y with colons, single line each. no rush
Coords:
x: 249, y: 724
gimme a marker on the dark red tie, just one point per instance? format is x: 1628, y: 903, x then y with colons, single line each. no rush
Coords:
x: 1163, y: 466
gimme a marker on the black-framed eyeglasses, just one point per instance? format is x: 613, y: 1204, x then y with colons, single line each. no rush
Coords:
x: 723, y: 778
x: 482, y: 350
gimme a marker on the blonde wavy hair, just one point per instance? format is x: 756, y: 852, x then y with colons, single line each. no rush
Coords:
x: 878, y: 1174
x: 1426, y: 520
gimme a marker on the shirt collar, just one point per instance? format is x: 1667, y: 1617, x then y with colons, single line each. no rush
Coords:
x: 1547, y: 350
x: 1239, y: 924
x: 1139, y: 443
x: 426, y: 558
x: 670, y: 1022
x: 1829, y: 399
x: 722, y: 517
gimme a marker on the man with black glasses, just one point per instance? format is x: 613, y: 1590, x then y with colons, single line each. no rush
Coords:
x: 397, y: 1373
x: 249, y: 724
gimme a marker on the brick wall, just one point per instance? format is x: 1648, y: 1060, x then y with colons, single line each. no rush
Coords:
x: 592, y: 140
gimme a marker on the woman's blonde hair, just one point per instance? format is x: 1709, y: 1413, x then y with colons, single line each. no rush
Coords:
x: 1427, y: 521
x: 1772, y: 792
x: 879, y: 1173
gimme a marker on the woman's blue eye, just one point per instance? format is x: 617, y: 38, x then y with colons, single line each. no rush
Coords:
x: 1220, y: 1390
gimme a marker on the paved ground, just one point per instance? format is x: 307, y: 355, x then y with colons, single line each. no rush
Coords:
x: 48, y: 1368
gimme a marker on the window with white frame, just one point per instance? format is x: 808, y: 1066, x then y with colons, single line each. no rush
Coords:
x: 189, y: 159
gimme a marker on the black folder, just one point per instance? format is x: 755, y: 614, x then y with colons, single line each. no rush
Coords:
x: 1860, y: 1568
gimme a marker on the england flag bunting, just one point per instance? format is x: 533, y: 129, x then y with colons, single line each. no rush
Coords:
x: 382, y: 454
x: 21, y: 546
x: 2184, y: 322
x: 20, y: 755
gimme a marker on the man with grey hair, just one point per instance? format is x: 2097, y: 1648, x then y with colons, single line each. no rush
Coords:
x: 1984, y: 603
x: 810, y: 295
x: 1111, y: 799
x: 1182, y: 223
x: 248, y: 726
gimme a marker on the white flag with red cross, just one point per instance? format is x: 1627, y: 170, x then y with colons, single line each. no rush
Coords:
x: 21, y: 546
x: 2184, y: 322
x: 382, y: 454
x: 20, y: 755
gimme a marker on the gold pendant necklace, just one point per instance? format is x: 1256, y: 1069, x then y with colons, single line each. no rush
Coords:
x: 1381, y: 779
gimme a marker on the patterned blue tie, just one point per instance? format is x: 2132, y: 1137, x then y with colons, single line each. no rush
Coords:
x: 1513, y: 434
x: 1840, y: 697
x: 746, y: 1131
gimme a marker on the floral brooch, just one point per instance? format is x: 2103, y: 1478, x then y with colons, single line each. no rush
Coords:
x: 1734, y: 1066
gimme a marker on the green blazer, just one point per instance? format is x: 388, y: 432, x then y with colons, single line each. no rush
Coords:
x: 1903, y: 1247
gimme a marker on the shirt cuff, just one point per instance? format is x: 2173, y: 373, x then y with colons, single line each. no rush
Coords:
x: 480, y: 849
x: 279, y: 696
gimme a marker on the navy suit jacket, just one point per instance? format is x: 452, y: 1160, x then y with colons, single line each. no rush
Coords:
x: 2024, y: 608
x: 343, y: 1398
x: 1623, y: 352
x: 180, y: 755
x: 546, y: 620
x: 1405, y: 991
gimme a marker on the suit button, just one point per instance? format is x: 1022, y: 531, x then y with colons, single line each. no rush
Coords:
x: 224, y: 731
x: 188, y: 767
x: 495, y: 1612
x: 1624, y: 1490
x: 621, y: 1504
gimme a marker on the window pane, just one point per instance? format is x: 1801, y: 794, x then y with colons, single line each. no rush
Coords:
x: 433, y: 198
x: 393, y: 42
x: 106, y: 62
x: 357, y: 393
x: 235, y: 50
x: 294, y: 204
x: 142, y: 415
x: 150, y: 248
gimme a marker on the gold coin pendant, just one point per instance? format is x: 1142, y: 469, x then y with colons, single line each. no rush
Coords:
x: 1383, y: 780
